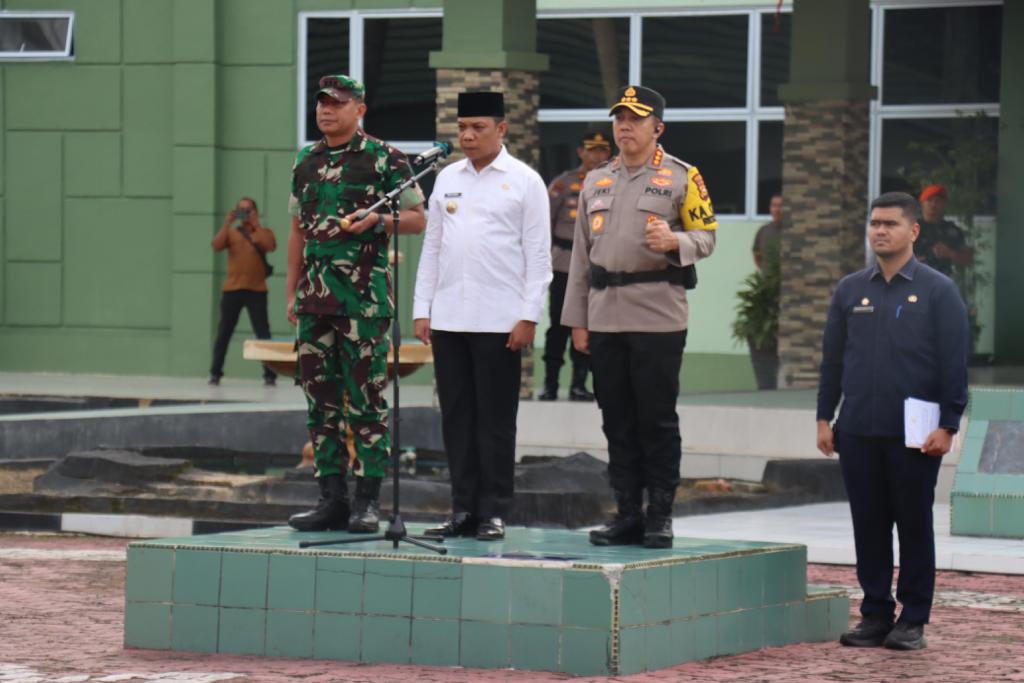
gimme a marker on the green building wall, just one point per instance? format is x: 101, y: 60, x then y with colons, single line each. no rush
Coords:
x: 119, y: 166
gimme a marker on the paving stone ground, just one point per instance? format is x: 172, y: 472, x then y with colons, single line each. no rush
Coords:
x: 62, y: 599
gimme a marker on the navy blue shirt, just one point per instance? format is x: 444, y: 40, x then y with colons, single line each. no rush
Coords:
x: 888, y: 341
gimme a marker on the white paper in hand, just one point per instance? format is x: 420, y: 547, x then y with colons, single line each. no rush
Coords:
x: 920, y: 418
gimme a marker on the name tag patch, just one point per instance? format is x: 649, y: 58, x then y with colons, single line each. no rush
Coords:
x: 863, y: 309
x: 452, y: 194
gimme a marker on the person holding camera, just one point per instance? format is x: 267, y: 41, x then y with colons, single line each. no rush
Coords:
x: 246, y: 284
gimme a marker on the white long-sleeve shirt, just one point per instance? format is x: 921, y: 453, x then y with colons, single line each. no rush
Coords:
x: 486, y: 260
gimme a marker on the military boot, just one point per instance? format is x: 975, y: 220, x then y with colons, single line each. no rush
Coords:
x: 578, y: 388
x: 331, y: 511
x: 365, y: 518
x: 550, y: 392
x: 658, y: 526
x: 627, y: 527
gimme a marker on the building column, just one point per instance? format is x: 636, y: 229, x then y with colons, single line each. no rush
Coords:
x: 1009, y: 280
x: 824, y: 172
x: 491, y: 45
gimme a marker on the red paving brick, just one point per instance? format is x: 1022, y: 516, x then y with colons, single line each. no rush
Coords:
x: 63, y: 617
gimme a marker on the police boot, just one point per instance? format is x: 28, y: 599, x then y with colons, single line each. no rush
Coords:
x: 627, y: 526
x: 578, y: 389
x: 658, y: 526
x: 550, y: 383
x: 331, y: 511
x: 365, y: 518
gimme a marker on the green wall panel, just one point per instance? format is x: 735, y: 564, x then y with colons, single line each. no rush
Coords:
x: 148, y: 37
x: 256, y: 32
x: 92, y: 164
x: 240, y: 174
x: 3, y: 127
x: 3, y: 285
x: 195, y: 99
x: 97, y: 26
x: 32, y: 293
x: 192, y: 237
x: 194, y: 176
x: 256, y: 122
x: 32, y: 88
x: 136, y: 293
x: 274, y: 209
x: 148, y: 130
x: 85, y: 350
x: 33, y: 225
x: 192, y: 315
x: 194, y: 30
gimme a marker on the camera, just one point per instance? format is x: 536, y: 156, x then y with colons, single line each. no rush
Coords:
x: 242, y: 214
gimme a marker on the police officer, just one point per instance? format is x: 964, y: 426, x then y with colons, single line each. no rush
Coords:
x: 644, y: 219
x: 594, y: 149
x: 339, y: 294
x: 895, y: 330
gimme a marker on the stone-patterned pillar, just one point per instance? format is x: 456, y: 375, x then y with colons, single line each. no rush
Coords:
x: 825, y: 174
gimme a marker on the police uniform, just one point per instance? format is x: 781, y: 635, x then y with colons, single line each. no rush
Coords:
x: 632, y: 300
x: 564, y: 192
x: 885, y: 342
x: 344, y: 305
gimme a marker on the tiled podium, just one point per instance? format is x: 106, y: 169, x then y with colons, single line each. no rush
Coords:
x: 542, y: 599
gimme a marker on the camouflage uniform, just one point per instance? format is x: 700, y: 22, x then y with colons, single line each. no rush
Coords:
x: 344, y: 300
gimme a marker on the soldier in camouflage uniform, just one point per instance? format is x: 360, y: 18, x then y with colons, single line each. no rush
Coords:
x: 339, y: 295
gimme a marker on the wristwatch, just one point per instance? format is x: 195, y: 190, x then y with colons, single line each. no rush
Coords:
x: 380, y: 224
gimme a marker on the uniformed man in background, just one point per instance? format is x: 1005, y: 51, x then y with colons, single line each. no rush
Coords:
x: 339, y: 295
x: 594, y: 149
x: 644, y: 220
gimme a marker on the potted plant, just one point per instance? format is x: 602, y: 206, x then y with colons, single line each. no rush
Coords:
x: 757, y: 318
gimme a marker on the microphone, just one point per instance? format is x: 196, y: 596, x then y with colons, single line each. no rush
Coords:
x: 440, y: 150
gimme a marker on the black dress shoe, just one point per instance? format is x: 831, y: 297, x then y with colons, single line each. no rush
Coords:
x: 214, y: 381
x: 906, y: 636
x: 492, y: 529
x: 870, y: 632
x: 459, y: 524
x: 548, y: 394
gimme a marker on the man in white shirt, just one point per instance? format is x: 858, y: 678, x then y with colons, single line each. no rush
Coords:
x: 480, y: 288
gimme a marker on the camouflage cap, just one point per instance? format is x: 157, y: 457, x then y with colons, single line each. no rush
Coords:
x: 341, y: 87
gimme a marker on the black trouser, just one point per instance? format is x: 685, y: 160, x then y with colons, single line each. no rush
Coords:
x: 636, y: 381
x: 887, y: 484
x: 231, y: 305
x: 478, y: 387
x: 558, y: 334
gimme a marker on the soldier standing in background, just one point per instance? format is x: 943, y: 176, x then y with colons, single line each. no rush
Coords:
x: 594, y: 149
x: 644, y: 219
x: 339, y: 294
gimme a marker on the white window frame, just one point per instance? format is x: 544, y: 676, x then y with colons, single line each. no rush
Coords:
x: 880, y: 112
x: 752, y: 113
x: 356, y: 26
x: 64, y: 55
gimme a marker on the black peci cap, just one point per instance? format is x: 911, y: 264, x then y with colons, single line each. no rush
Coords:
x: 484, y: 103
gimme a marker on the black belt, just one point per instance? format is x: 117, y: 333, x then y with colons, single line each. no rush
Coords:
x: 685, y: 276
x: 559, y: 242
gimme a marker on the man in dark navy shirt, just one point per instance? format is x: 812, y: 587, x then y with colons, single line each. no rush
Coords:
x: 896, y: 330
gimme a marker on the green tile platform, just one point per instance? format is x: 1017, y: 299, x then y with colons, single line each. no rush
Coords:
x: 543, y: 599
x: 988, y: 491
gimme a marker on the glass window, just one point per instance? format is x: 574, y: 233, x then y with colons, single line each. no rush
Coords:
x: 29, y: 35
x: 696, y: 61
x: 589, y: 61
x: 941, y: 55
x: 719, y: 150
x: 775, y: 37
x: 400, y: 85
x: 917, y: 152
x: 558, y: 143
x: 326, y: 53
x: 769, y: 163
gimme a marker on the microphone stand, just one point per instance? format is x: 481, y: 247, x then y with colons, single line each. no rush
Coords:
x: 396, y: 532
